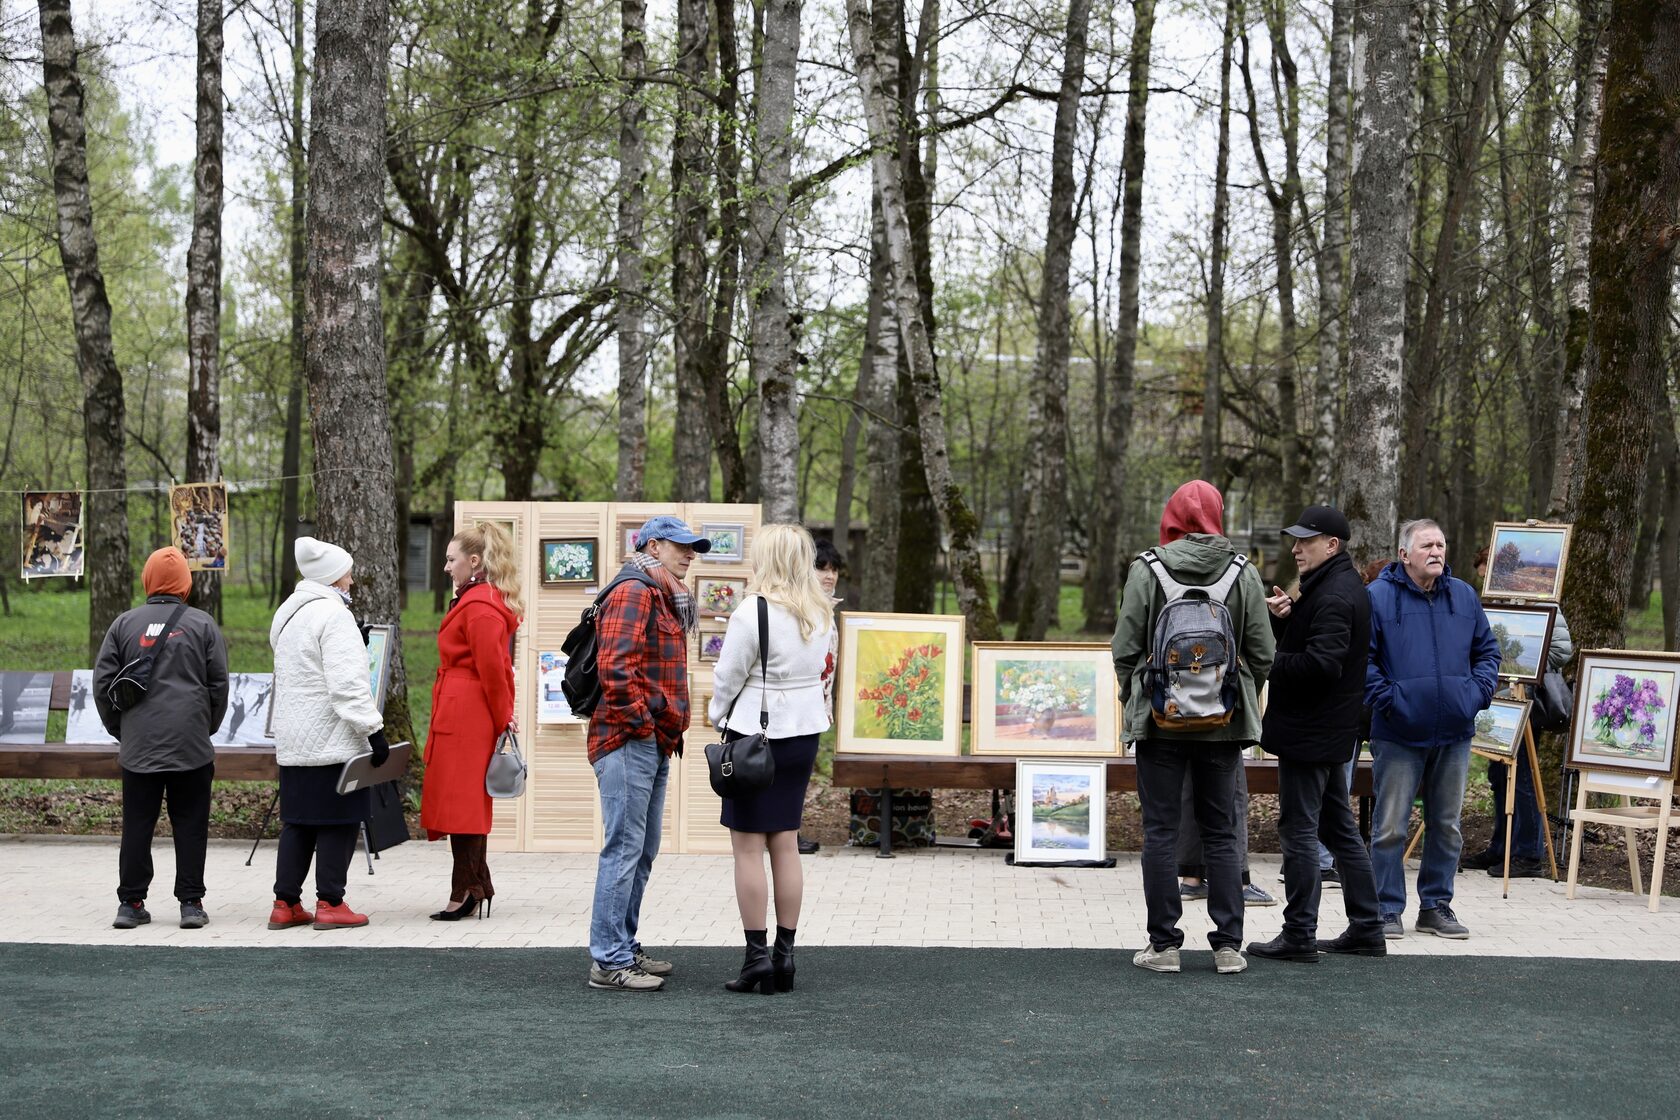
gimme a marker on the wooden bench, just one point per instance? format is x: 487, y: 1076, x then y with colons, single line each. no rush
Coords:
x: 99, y: 760
x: 889, y: 771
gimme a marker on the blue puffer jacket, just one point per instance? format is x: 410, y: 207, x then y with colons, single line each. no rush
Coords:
x: 1434, y: 661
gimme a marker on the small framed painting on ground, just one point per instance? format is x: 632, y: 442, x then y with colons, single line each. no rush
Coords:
x: 1526, y: 561
x: 1045, y: 698
x: 569, y: 561
x: 1625, y: 712
x: 1524, y: 635
x: 1061, y: 811
x: 900, y: 683
x: 727, y: 542
x: 1499, y: 729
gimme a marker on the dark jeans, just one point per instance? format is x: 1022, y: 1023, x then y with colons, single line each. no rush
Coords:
x: 1213, y: 769
x: 1190, y: 861
x: 331, y: 845
x: 1527, y: 840
x: 471, y: 877
x: 189, y: 819
x: 1312, y: 808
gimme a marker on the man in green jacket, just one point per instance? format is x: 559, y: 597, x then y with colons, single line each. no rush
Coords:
x: 1167, y: 718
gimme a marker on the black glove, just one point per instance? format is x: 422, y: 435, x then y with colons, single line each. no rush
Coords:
x: 381, y: 749
x: 366, y: 628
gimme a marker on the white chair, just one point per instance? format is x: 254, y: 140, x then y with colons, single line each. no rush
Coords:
x: 1627, y: 816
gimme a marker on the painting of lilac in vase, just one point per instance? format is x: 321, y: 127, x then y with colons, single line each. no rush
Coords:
x: 1625, y: 712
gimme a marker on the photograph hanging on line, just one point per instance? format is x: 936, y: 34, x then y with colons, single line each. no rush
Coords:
x: 1526, y: 561
x: 1524, y: 635
x: 718, y: 597
x: 1045, y: 698
x: 900, y: 688
x: 200, y: 512
x: 52, y: 534
x: 82, y: 726
x: 569, y: 561
x: 1625, y: 712
x: 728, y: 543
x: 551, y: 698
x: 24, y: 701
x: 1061, y: 811
x: 1499, y: 728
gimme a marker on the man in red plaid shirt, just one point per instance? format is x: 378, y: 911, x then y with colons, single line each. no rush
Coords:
x: 641, y: 634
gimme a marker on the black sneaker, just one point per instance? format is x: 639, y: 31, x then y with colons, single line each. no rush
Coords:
x: 131, y: 914
x: 807, y: 847
x: 1442, y: 922
x: 1485, y: 860
x: 1330, y: 879
x: 1521, y: 869
x: 193, y: 915
x: 1283, y: 948
x: 1356, y: 945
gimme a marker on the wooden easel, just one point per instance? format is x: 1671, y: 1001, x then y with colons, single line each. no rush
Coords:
x: 1629, y: 817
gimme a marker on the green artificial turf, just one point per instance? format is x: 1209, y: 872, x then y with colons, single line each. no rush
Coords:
x: 346, y: 1032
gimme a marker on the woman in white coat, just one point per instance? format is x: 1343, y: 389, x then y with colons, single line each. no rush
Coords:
x: 800, y: 664
x: 324, y: 716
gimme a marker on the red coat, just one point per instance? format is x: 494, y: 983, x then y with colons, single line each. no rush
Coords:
x: 472, y: 702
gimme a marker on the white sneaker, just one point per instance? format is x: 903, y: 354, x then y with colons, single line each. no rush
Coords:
x: 630, y: 979
x: 1227, y: 960
x: 1157, y: 960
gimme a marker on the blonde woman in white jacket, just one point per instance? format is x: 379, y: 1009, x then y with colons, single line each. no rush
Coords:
x: 324, y: 716
x: 800, y: 664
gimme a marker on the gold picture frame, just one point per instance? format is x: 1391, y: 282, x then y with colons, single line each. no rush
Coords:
x: 900, y: 688
x: 1058, y: 699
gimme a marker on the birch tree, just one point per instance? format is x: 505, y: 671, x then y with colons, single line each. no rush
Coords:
x: 204, y: 283
x: 110, y: 577
x: 629, y: 309
x: 1213, y: 356
x: 690, y: 213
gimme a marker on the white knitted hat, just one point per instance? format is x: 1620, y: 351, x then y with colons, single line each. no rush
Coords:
x: 320, y: 561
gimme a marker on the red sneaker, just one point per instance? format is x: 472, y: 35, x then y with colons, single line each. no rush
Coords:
x: 285, y: 915
x: 328, y: 916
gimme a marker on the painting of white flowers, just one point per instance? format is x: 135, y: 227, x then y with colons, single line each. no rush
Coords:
x: 1045, y: 698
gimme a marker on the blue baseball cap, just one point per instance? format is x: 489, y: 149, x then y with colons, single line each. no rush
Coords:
x: 673, y: 529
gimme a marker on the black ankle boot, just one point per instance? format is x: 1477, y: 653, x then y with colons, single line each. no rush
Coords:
x: 756, y: 971
x: 781, y: 959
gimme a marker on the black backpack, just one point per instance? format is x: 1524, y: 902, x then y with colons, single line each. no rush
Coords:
x: 581, y: 681
x: 128, y: 688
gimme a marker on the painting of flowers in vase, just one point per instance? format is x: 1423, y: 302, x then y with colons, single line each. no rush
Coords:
x: 1045, y: 698
x: 1625, y: 710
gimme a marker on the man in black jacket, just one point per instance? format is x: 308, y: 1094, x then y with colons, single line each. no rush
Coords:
x: 1312, y: 726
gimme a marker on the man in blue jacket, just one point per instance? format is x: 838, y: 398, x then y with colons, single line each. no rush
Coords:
x: 1434, y: 665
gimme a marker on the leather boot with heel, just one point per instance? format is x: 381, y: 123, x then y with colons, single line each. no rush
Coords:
x: 781, y: 959
x: 756, y: 970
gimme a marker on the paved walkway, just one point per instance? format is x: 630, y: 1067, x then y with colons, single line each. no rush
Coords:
x: 63, y: 891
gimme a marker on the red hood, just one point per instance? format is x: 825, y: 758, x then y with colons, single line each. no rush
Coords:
x: 1195, y: 507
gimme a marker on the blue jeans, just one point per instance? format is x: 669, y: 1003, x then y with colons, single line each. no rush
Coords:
x: 1400, y: 774
x: 632, y: 784
x: 1527, y: 839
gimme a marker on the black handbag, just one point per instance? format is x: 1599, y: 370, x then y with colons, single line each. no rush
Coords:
x: 134, y: 680
x: 742, y: 767
x: 1554, y: 703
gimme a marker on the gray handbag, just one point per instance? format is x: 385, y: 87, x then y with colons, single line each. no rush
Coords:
x: 505, y: 777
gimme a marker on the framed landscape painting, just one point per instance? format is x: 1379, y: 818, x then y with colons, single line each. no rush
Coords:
x: 569, y: 561
x: 1061, y: 811
x: 1526, y: 561
x: 1625, y: 704
x: 1524, y: 635
x: 900, y: 688
x: 1499, y: 729
x: 1045, y: 698
x: 727, y: 542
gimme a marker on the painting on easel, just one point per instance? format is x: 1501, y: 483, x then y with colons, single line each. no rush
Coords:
x: 1625, y: 712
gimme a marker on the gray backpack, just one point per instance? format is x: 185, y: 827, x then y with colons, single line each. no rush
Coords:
x: 1192, y: 673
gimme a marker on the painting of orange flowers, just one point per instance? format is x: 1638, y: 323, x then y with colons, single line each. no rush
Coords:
x: 900, y: 683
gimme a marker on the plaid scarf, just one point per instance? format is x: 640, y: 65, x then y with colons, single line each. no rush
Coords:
x: 682, y: 600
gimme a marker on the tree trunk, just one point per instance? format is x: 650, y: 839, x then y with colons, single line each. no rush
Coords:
x: 291, y: 455
x: 1650, y: 514
x: 1545, y: 368
x: 740, y: 477
x: 1591, y: 53
x: 773, y: 357
x: 204, y: 285
x: 1331, y: 265
x: 632, y: 284
x: 1102, y: 575
x: 1385, y: 70
x: 955, y: 519
x: 344, y: 343
x: 1213, y: 357
x: 1668, y: 548
x: 1047, y: 473
x: 691, y: 435
x: 880, y: 567
x: 110, y: 576
x: 1631, y: 262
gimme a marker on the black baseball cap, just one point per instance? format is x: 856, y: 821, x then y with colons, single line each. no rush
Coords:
x: 1320, y: 520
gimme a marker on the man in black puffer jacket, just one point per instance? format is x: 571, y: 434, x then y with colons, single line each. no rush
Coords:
x: 1312, y: 725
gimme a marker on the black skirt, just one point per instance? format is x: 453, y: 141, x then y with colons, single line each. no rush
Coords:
x: 309, y: 795
x: 778, y: 808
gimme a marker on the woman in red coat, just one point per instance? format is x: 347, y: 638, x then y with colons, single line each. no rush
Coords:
x: 472, y: 703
